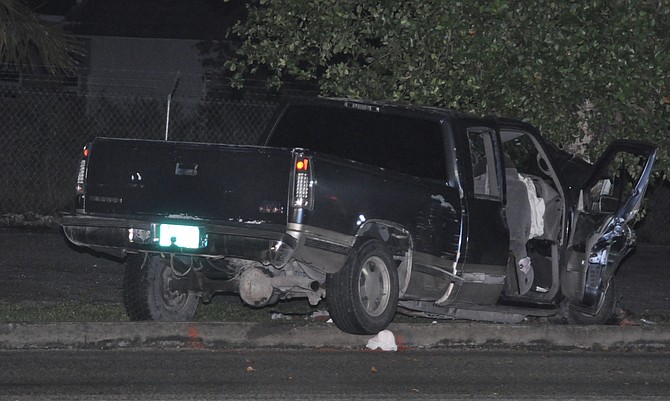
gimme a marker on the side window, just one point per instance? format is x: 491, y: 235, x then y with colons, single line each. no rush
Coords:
x: 616, y: 183
x: 521, y: 152
x: 407, y: 145
x: 414, y: 148
x: 482, y: 159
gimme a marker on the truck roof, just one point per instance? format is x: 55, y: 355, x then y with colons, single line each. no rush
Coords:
x: 383, y: 106
x: 433, y: 113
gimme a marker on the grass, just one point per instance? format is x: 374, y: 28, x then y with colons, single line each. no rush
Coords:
x: 71, y: 311
x: 29, y: 220
x: 227, y: 310
x: 61, y: 312
x: 222, y: 311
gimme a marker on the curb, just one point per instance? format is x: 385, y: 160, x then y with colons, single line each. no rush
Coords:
x: 122, y: 335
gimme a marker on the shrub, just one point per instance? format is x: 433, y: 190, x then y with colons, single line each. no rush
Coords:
x: 583, y: 72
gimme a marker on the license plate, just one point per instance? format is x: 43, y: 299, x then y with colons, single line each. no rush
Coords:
x: 181, y: 236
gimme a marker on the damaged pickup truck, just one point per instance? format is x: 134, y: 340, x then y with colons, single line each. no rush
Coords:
x: 375, y: 207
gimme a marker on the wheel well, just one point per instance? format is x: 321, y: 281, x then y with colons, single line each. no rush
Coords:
x: 397, y: 239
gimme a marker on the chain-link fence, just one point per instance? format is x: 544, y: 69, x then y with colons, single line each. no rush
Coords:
x: 43, y: 133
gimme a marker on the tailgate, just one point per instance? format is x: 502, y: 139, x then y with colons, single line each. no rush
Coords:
x: 208, y: 181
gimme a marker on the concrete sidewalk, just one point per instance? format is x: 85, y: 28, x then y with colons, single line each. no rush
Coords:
x: 120, y: 335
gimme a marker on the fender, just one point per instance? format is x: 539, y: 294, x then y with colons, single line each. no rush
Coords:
x: 398, y: 238
x: 602, y: 263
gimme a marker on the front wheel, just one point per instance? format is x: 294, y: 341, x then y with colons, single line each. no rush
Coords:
x: 147, y: 294
x: 363, y: 296
x: 605, y: 313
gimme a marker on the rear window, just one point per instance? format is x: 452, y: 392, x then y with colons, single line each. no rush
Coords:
x: 406, y: 145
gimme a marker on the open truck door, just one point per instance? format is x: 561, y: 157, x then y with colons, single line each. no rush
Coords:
x: 601, y: 234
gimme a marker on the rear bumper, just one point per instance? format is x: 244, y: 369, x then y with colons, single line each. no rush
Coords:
x: 268, y: 244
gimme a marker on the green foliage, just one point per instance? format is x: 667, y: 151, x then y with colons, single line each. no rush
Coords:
x: 26, y: 43
x: 584, y: 72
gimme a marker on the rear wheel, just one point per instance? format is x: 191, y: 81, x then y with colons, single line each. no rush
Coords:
x: 147, y: 294
x: 363, y: 296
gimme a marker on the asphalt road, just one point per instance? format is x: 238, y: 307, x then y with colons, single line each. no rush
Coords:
x: 332, y: 374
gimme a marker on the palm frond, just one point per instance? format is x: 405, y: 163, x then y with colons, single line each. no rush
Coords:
x: 28, y: 44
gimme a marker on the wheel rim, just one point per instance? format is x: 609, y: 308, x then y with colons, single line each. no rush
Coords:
x: 172, y: 300
x: 374, y: 283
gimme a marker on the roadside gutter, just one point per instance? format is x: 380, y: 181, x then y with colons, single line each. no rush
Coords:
x: 122, y: 335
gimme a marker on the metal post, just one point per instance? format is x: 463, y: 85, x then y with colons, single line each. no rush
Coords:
x: 169, y: 102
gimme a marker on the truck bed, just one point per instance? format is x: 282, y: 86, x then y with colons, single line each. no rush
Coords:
x: 188, y: 180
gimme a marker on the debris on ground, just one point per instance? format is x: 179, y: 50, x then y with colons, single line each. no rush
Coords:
x: 280, y: 316
x: 320, y: 315
x: 384, y: 340
x: 624, y: 318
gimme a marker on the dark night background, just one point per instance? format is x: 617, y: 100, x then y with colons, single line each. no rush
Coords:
x: 207, y: 21
x: 175, y: 19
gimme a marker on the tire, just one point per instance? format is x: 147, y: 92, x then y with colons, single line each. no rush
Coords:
x: 146, y: 295
x: 363, y: 296
x: 604, y: 315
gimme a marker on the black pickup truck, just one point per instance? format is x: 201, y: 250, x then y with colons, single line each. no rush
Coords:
x: 372, y: 206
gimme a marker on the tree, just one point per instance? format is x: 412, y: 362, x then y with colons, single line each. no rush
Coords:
x: 27, y: 44
x: 583, y: 72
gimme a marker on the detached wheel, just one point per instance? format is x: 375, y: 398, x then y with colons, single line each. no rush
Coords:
x: 605, y: 313
x: 363, y: 296
x: 146, y: 292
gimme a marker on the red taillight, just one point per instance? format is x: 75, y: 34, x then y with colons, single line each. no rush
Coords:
x: 81, y: 175
x: 302, y: 164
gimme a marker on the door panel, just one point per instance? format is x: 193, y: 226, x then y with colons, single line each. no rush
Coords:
x: 602, y: 236
x: 620, y: 180
x: 488, y: 237
x: 487, y: 251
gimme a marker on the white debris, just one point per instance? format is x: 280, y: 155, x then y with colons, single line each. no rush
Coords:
x: 385, y: 340
x: 320, y: 315
x: 279, y: 316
